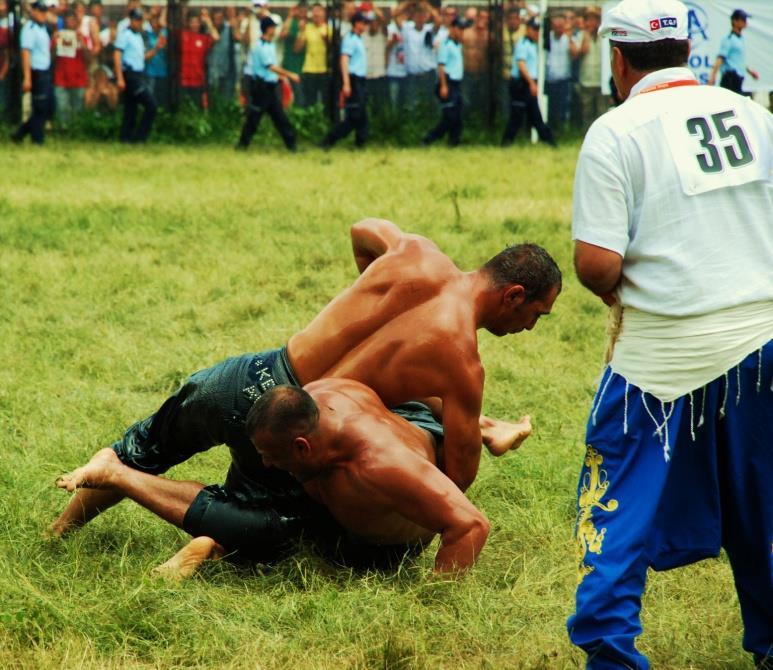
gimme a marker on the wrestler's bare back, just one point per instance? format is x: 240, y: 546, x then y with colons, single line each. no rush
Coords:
x: 403, y: 328
x: 376, y: 455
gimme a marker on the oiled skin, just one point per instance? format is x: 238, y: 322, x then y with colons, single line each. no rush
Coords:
x: 407, y: 329
x: 376, y: 474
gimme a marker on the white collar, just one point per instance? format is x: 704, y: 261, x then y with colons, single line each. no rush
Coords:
x: 661, y: 77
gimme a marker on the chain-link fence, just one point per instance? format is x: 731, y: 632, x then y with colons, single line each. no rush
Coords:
x: 197, y: 56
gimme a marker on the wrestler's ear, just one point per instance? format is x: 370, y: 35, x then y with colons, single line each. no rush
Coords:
x: 514, y: 296
x: 302, y: 446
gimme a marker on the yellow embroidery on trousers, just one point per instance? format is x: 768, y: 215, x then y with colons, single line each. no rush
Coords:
x: 594, y: 487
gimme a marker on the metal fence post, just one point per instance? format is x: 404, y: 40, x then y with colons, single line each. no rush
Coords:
x: 14, y: 76
x: 334, y: 9
x: 495, y: 42
x: 174, y: 25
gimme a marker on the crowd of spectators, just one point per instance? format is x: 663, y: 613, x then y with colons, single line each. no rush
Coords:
x: 212, y: 50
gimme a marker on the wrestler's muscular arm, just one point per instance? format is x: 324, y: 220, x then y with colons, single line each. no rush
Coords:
x: 372, y: 238
x: 418, y: 491
x: 462, y: 440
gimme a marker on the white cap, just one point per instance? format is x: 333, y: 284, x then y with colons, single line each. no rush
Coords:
x: 51, y: 4
x: 645, y: 21
x: 260, y: 3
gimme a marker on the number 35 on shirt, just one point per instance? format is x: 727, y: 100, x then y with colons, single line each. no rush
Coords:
x: 713, y: 150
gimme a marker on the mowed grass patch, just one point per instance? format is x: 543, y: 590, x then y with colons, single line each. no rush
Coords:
x: 123, y: 270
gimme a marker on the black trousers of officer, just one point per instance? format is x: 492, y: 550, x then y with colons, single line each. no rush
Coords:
x: 264, y: 98
x: 732, y: 81
x: 355, y: 115
x: 523, y: 103
x: 451, y: 119
x: 43, y: 107
x: 137, y: 92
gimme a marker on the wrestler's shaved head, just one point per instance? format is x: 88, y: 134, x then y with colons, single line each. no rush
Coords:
x: 283, y: 410
x: 528, y: 265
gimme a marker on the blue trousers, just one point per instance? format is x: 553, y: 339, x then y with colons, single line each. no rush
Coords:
x: 667, y: 484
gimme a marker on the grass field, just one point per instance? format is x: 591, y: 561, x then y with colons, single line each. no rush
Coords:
x: 124, y: 270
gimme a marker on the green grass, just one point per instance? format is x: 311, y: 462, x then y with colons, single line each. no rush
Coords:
x: 123, y: 270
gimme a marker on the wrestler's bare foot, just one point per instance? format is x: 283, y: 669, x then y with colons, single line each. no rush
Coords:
x: 184, y: 563
x: 96, y: 474
x: 499, y: 437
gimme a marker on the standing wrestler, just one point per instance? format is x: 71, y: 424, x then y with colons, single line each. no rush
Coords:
x: 373, y: 471
x: 672, y: 223
x: 411, y: 309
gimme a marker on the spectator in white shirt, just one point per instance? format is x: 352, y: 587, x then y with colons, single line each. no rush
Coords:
x: 395, y: 69
x: 558, y: 75
x: 420, y: 61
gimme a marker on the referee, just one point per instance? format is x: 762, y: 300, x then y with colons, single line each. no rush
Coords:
x: 450, y: 72
x: 129, y: 64
x: 36, y: 73
x: 731, y: 60
x: 265, y: 75
x: 354, y: 67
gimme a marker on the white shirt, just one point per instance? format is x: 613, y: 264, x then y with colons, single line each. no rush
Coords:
x: 418, y: 57
x: 558, y: 65
x: 678, y: 182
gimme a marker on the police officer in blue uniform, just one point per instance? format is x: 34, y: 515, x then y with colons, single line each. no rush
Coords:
x: 129, y: 64
x: 354, y: 67
x: 265, y: 74
x: 731, y: 60
x: 36, y: 73
x: 523, y: 88
x: 449, y: 90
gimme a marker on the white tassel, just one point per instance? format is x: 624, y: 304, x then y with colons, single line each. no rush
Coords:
x: 601, y: 395
x: 666, y: 445
x: 759, y: 369
x: 625, y: 410
x: 703, y: 406
x: 658, y: 428
x: 692, y: 429
x: 724, y: 399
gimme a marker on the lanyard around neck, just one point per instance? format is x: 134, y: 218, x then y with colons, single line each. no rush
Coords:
x: 668, y: 84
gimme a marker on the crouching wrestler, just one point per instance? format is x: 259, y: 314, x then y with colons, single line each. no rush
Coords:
x: 374, y: 490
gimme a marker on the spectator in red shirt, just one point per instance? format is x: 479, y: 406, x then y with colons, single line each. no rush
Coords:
x: 71, y: 75
x: 194, y: 47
